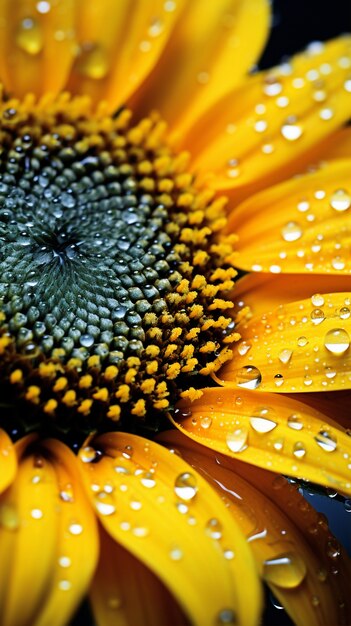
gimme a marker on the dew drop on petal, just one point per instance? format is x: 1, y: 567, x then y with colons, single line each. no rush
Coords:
x: 333, y: 549
x: 262, y: 422
x: 226, y: 616
x: 278, y: 380
x: 185, y: 486
x: 248, y: 377
x: 206, y: 422
x: 337, y: 341
x: 75, y: 528
x: 284, y: 356
x: 317, y: 300
x: 176, y: 553
x: 344, y: 313
x: 299, y: 450
x: 317, y: 316
x: 64, y: 561
x: 292, y: 231
x: 286, y: 570
x: 302, y: 342
x: 236, y: 440
x: 214, y: 528
x: 93, y: 61
x: 88, y: 454
x: 9, y: 517
x: 326, y: 441
x: 290, y: 130
x: 147, y: 479
x: 295, y: 422
x: 340, y: 200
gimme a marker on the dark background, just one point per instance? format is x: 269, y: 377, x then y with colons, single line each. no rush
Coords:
x: 295, y: 24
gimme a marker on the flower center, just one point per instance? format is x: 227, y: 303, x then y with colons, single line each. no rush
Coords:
x: 113, y: 279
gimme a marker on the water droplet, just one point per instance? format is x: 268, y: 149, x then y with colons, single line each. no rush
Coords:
x: 36, y: 513
x: 128, y: 452
x: 272, y: 86
x: 322, y: 574
x: 226, y: 616
x: 43, y: 7
x: 344, y: 313
x: 66, y: 494
x: 286, y: 570
x: 337, y: 341
x: 185, y: 486
x: 75, y: 528
x: 206, y: 422
x: 317, y: 316
x: 278, y: 380
x: 294, y: 422
x: 228, y: 554
x: 291, y: 130
x: 317, y: 300
x: 326, y: 114
x: 284, y: 356
x: 333, y: 549
x: 292, y: 231
x: 214, y: 528
x: 148, y: 480
x: 93, y: 61
x: 86, y: 341
x: 340, y: 200
x: 338, y: 263
x: 278, y: 444
x: 248, y: 377
x: 64, y: 561
x: 64, y: 585
x: 236, y: 440
x: 347, y: 505
x: 105, y: 503
x: 299, y: 450
x: 29, y: 36
x: 176, y: 553
x: 89, y: 454
x: 243, y: 348
x: 330, y: 372
x: 326, y: 441
x: 302, y: 342
x: 261, y: 420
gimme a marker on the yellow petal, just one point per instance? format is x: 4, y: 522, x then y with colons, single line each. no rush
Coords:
x: 261, y: 131
x: 294, y: 550
x: 8, y: 461
x: 265, y: 292
x: 124, y: 591
x: 210, y: 51
x: 153, y: 504
x: 271, y: 431
x: 48, y: 530
x: 339, y: 144
x: 118, y: 44
x: 300, y: 226
x: 297, y: 347
x: 36, y: 45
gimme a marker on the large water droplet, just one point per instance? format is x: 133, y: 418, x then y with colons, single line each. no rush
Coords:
x: 105, y: 503
x: 147, y: 479
x: 284, y: 356
x: 299, y: 450
x: 248, y: 377
x: 340, y: 200
x: 295, y: 422
x: 286, y: 570
x: 291, y: 130
x: 292, y: 231
x: 236, y: 440
x: 185, y: 486
x: 326, y: 441
x: 87, y: 454
x: 317, y: 316
x: 337, y: 341
x: 261, y: 420
x: 317, y: 300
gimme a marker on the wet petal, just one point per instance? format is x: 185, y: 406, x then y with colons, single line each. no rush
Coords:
x: 118, y: 44
x: 265, y: 292
x: 153, y: 504
x: 294, y: 550
x: 124, y: 591
x: 46, y: 524
x: 312, y: 234
x: 270, y: 431
x: 297, y: 347
x: 210, y: 51
x: 260, y: 132
x: 36, y: 37
x: 8, y: 461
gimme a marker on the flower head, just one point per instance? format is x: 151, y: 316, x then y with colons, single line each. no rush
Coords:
x: 123, y: 231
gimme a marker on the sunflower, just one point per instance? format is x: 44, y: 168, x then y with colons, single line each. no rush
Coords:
x: 174, y: 269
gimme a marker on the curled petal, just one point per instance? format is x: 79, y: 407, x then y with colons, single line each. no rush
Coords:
x: 311, y: 235
x: 294, y: 550
x: 8, y: 461
x: 271, y: 431
x: 298, y: 347
x: 153, y: 504
x: 47, y: 531
x: 260, y: 132
x: 124, y: 591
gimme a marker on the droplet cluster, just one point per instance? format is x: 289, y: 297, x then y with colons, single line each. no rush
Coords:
x: 112, y: 280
